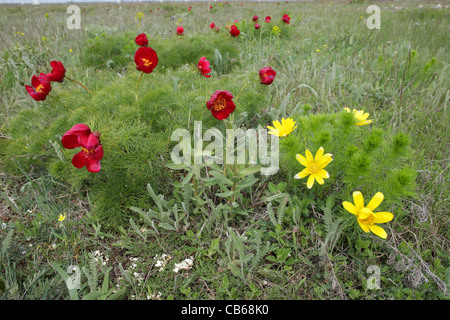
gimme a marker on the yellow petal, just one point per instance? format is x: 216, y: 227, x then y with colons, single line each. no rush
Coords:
x: 358, y: 199
x: 326, y: 159
x: 277, y: 125
x: 375, y: 202
x: 309, y: 156
x: 383, y: 217
x: 363, y: 226
x: 319, y: 179
x: 322, y: 174
x: 378, y: 231
x: 364, y: 116
x: 319, y: 155
x: 302, y: 174
x: 310, y: 182
x: 364, y: 213
x: 302, y: 160
x: 362, y: 123
x: 275, y: 132
x: 349, y: 207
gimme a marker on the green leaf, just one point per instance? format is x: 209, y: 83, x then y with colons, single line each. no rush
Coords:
x: 272, y: 187
x: 116, y: 295
x: 218, y: 175
x: 249, y: 170
x: 225, y: 194
x: 166, y: 226
x: 181, y: 166
x: 94, y: 295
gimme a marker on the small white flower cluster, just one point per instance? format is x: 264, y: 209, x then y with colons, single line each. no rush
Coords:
x: 161, y: 261
x: 154, y: 296
x: 185, y: 265
x: 139, y: 276
x: 103, y: 260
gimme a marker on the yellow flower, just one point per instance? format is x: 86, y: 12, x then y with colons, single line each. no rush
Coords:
x: 282, y: 129
x: 314, y: 167
x: 276, y: 31
x: 360, y: 116
x: 364, y: 214
x: 324, y: 45
x: 61, y: 218
x: 318, y: 50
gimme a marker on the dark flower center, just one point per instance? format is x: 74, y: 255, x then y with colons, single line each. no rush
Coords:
x: 219, y: 104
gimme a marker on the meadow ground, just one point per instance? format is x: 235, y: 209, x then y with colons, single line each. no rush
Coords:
x: 126, y: 229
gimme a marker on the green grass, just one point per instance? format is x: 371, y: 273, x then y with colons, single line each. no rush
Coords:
x: 279, y: 242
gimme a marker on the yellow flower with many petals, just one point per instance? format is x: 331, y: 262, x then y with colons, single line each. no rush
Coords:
x: 282, y: 129
x: 365, y: 216
x: 61, y: 218
x: 360, y: 116
x: 314, y: 167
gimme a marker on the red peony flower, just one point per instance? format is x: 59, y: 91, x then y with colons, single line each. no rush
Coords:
x: 212, y: 25
x: 91, y: 152
x: 221, y: 104
x: 255, y: 18
x: 58, y: 71
x: 216, y: 29
x: 257, y: 26
x: 234, y: 31
x: 141, y: 40
x: 204, y: 67
x: 286, y: 18
x: 70, y: 138
x: 180, y: 30
x: 41, y: 87
x: 268, y: 18
x: 210, y: 7
x: 146, y: 59
x: 266, y: 75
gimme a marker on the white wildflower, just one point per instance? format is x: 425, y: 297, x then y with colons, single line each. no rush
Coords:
x: 185, y: 265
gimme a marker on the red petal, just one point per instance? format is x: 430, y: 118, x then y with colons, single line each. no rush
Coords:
x: 93, y: 165
x: 83, y: 139
x: 80, y: 128
x: 92, y: 141
x: 98, y: 153
x: 70, y: 141
x: 79, y: 160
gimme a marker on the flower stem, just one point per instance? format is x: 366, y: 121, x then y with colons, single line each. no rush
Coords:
x: 233, y: 189
x: 137, y: 84
x: 194, y: 181
x: 179, y: 85
x: 249, y: 83
x: 79, y: 84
